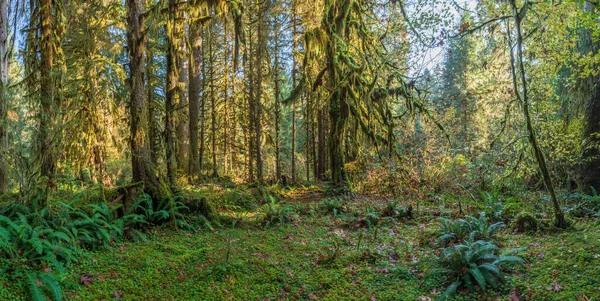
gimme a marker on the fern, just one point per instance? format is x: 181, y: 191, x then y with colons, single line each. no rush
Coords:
x: 475, y: 263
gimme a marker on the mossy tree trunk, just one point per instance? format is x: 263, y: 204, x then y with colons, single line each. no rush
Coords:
x: 194, y: 97
x: 141, y: 163
x: 3, y: 95
x: 336, y: 18
x: 171, y: 95
x: 47, y: 112
x: 523, y: 96
x: 590, y: 168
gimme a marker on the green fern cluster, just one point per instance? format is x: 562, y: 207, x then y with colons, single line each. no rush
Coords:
x: 453, y: 231
x: 273, y: 212
x: 333, y: 205
x: 475, y: 263
x: 55, y: 236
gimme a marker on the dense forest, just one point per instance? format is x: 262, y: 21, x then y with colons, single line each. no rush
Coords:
x: 299, y: 150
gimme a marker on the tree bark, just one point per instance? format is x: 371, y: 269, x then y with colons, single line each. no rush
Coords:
x: 194, y: 97
x: 4, y: 58
x: 258, y: 94
x: 183, y: 64
x: 140, y: 156
x: 294, y: 82
x: 171, y: 95
x: 338, y: 108
x: 47, y: 114
x: 321, y: 145
x: 590, y: 168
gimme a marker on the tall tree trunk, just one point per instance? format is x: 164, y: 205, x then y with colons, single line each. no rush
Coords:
x: 153, y: 132
x: 277, y: 110
x: 140, y: 157
x: 47, y: 113
x: 321, y: 145
x: 590, y: 169
x: 258, y: 95
x: 171, y: 95
x: 539, y: 155
x: 313, y: 137
x: 294, y: 82
x: 213, y: 105
x: 336, y: 22
x: 183, y: 65
x: 226, y: 100
x: 249, y: 77
x: 194, y: 96
x: 307, y: 142
x: 4, y: 58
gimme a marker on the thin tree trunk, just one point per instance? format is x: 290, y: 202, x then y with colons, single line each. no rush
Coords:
x: 307, y: 142
x: 590, y: 169
x: 277, y: 106
x: 4, y: 58
x: 46, y: 129
x: 226, y: 100
x: 213, y: 126
x: 194, y: 97
x: 171, y: 94
x: 321, y: 145
x: 294, y: 82
x: 183, y: 65
x: 558, y: 213
x: 258, y: 106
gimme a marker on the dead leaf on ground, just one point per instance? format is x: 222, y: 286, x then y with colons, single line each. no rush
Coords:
x: 86, y: 279
x: 557, y: 287
x: 514, y: 296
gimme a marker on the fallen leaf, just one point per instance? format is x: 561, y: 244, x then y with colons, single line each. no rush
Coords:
x: 86, y: 279
x: 117, y: 295
x: 514, y: 296
x: 557, y: 287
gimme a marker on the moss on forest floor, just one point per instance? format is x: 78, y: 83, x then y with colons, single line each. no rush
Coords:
x: 319, y: 256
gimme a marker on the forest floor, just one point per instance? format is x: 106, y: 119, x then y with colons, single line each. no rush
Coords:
x: 310, y: 252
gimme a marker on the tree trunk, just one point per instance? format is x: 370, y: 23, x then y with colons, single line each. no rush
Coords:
x: 47, y: 113
x: 183, y: 64
x: 171, y: 95
x: 294, y: 82
x: 558, y: 213
x: 4, y: 58
x: 194, y: 97
x: 590, y: 169
x: 277, y: 108
x: 213, y: 123
x: 338, y: 108
x: 258, y: 95
x: 140, y: 157
x: 321, y: 145
x: 153, y: 132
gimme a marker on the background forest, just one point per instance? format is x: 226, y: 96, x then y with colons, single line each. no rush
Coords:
x: 413, y: 149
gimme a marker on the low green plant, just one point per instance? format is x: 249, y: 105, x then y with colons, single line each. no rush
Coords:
x: 333, y: 205
x: 273, y: 213
x: 475, y: 263
x: 453, y: 231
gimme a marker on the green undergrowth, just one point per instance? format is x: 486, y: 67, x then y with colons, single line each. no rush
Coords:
x: 280, y: 247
